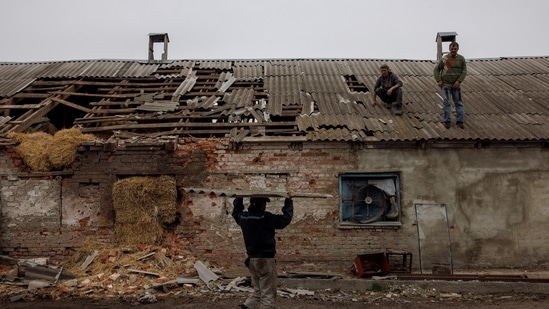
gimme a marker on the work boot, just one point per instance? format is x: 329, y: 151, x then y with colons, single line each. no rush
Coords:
x: 460, y: 124
x: 398, y: 111
x: 447, y: 125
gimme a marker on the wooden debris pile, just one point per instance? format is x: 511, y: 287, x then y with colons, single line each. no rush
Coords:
x: 99, y: 269
x: 94, y: 258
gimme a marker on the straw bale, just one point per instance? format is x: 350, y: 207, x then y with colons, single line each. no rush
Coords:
x: 32, y: 149
x: 166, y: 192
x: 62, y: 148
x: 42, y: 152
x: 138, y: 233
x: 142, y: 204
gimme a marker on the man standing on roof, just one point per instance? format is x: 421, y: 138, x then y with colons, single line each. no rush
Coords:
x: 258, y: 228
x: 449, y: 74
x: 388, y: 88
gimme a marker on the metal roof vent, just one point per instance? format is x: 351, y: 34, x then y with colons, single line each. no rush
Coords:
x: 158, y: 38
x: 444, y: 37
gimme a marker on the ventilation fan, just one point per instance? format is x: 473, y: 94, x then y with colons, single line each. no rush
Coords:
x: 368, y: 204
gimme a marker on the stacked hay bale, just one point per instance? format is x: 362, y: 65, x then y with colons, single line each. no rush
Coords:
x: 142, y: 205
x: 43, y: 152
x: 62, y: 148
x: 32, y: 149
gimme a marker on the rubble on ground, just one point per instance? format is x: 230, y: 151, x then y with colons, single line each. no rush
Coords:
x: 145, y: 274
x: 143, y: 288
x: 103, y: 271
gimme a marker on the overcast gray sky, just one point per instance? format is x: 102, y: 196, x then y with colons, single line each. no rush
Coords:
x: 39, y: 30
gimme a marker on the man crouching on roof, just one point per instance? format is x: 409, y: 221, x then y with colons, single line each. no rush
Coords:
x: 258, y: 228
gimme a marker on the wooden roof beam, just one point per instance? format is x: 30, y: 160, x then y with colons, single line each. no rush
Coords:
x: 221, y: 126
x: 48, y: 105
x: 70, y: 104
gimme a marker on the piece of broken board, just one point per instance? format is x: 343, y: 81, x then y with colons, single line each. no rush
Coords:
x: 242, y: 193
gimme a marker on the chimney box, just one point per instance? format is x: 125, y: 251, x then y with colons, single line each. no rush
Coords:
x: 444, y: 37
x: 158, y: 38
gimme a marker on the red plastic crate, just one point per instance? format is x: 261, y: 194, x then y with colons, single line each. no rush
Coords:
x: 367, y: 265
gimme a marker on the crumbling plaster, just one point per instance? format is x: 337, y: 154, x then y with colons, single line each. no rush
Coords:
x: 80, y: 206
x: 31, y: 203
x: 496, y: 199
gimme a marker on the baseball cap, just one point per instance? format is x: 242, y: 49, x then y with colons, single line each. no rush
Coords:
x: 255, y: 200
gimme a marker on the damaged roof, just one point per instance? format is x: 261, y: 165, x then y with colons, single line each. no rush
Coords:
x: 506, y: 99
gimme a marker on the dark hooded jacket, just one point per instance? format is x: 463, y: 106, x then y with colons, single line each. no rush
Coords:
x: 258, y: 227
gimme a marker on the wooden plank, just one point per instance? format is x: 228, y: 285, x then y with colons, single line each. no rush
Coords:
x: 143, y: 272
x: 4, y: 120
x: 97, y: 95
x: 70, y: 104
x: 255, y: 172
x: 99, y: 119
x: 145, y: 256
x: 44, y: 174
x: 193, y: 129
x: 113, y: 111
x: 113, y: 91
x: 115, y: 103
x: 6, y: 101
x: 241, y: 135
x: 275, y: 139
x: 128, y: 89
x: 29, y: 118
x: 143, y: 82
x: 27, y: 95
x: 187, y: 125
x: 21, y: 106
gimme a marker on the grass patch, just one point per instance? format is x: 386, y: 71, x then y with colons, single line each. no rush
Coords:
x: 377, y: 287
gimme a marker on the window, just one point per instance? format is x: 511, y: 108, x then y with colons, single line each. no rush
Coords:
x: 369, y: 199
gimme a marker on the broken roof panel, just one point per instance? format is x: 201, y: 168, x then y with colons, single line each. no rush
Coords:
x: 324, y: 84
x: 506, y: 99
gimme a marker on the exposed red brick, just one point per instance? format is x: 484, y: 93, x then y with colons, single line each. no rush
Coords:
x: 84, y: 221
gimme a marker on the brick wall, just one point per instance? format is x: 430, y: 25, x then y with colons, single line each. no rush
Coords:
x: 314, y: 235
x: 84, y: 205
x: 75, y: 205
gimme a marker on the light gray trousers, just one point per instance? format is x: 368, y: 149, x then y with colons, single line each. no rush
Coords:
x: 264, y: 281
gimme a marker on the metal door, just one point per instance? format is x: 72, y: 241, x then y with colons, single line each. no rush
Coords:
x: 433, y: 236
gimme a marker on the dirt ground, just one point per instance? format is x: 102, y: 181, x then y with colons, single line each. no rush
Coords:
x: 494, y: 301
x: 410, y: 297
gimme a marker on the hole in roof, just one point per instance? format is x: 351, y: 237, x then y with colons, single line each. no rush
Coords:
x: 355, y: 85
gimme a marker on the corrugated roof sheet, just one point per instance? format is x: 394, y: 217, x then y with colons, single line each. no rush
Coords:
x: 9, y: 87
x: 76, y: 69
x: 506, y: 99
